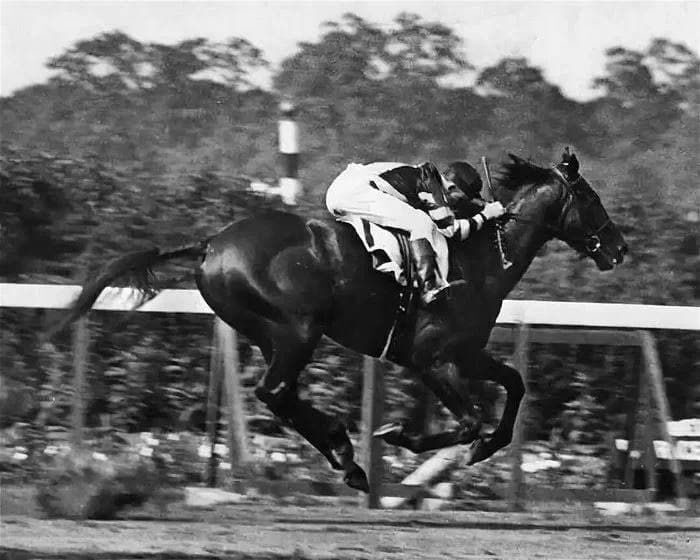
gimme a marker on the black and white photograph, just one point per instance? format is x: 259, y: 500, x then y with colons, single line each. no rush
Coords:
x: 323, y: 280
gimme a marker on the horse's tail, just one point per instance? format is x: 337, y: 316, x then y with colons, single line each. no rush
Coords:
x: 136, y: 269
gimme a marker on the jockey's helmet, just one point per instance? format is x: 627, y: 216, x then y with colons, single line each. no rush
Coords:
x: 465, y: 177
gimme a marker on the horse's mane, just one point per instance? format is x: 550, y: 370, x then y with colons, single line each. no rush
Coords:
x: 518, y: 172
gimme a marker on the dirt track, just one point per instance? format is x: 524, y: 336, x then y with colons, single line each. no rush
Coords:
x: 268, y: 531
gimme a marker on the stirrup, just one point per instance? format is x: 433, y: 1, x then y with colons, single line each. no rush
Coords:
x: 436, y: 294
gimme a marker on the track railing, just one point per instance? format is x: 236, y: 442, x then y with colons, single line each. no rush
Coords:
x: 623, y: 324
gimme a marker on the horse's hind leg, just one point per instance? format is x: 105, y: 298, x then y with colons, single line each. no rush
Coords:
x: 278, y: 390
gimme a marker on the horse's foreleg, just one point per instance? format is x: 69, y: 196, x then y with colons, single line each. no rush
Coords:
x: 456, y: 399
x: 488, y: 367
x: 278, y: 390
x: 450, y: 386
x: 394, y: 434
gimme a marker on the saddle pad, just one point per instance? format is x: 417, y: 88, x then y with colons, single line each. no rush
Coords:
x: 384, y: 248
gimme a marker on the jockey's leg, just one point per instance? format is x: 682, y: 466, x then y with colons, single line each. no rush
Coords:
x: 429, y: 277
x: 345, y: 198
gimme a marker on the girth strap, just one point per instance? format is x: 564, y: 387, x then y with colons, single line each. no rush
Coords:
x: 407, y: 294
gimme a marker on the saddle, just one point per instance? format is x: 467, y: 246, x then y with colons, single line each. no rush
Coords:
x: 391, y: 254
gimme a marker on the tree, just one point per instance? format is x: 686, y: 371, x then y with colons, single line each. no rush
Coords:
x: 116, y: 62
x: 527, y: 111
x: 369, y: 93
x: 647, y: 91
x: 515, y: 78
x: 678, y: 71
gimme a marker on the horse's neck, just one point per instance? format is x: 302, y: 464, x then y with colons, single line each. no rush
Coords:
x: 521, y: 239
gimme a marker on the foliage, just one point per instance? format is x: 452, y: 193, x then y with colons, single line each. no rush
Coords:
x: 135, y: 144
x: 85, y: 485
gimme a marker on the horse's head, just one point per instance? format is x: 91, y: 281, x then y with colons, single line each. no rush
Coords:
x: 583, y: 223
x: 576, y: 214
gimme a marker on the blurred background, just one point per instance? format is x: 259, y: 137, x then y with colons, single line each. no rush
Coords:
x: 132, y: 124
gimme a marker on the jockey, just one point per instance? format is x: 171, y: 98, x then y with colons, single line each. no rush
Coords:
x: 415, y: 199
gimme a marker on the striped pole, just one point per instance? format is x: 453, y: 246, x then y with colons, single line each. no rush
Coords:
x: 289, y: 183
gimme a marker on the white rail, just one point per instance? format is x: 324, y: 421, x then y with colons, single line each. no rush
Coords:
x: 581, y: 314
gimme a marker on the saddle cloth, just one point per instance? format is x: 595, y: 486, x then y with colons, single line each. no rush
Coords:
x: 383, y: 245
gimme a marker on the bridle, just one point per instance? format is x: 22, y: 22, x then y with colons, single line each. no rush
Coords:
x: 590, y: 241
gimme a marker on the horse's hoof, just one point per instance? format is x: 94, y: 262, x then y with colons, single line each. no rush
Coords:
x: 357, y: 479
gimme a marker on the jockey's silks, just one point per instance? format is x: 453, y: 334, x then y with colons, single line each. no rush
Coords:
x: 359, y: 191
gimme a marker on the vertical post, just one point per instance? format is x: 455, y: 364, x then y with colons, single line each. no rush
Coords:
x: 213, y: 401
x: 652, y: 368
x: 630, y: 462
x: 648, y: 442
x: 372, y: 410
x: 516, y: 490
x: 236, y: 435
x: 288, y: 133
x: 81, y: 343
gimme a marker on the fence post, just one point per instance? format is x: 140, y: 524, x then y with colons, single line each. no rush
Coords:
x: 652, y: 368
x: 516, y: 489
x: 81, y: 343
x: 237, y: 437
x: 372, y: 411
x: 213, y: 401
x: 633, y: 417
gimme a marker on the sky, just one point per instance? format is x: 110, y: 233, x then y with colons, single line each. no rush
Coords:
x: 566, y: 39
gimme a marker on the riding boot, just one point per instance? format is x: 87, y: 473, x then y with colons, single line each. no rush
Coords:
x: 426, y: 266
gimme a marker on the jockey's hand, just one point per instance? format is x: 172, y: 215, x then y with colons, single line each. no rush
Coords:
x: 493, y: 210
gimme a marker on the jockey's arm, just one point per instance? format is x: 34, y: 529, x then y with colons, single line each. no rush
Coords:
x: 450, y: 226
x: 491, y: 211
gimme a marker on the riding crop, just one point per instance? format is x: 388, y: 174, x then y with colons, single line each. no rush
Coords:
x: 504, y: 260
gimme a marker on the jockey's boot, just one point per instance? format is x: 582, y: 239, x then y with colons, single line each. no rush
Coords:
x: 426, y: 265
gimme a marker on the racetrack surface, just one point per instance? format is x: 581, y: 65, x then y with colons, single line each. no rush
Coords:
x: 344, y: 532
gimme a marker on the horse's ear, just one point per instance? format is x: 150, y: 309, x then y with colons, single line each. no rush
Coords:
x: 574, y: 166
x: 569, y: 164
x: 516, y: 159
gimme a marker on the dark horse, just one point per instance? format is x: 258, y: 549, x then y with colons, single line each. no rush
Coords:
x: 283, y: 282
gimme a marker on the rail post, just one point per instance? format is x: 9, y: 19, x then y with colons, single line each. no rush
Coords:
x: 652, y: 369
x: 213, y: 402
x: 237, y: 438
x: 516, y: 487
x: 372, y: 411
x: 81, y: 343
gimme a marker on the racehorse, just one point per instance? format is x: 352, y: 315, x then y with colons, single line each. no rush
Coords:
x: 284, y: 282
